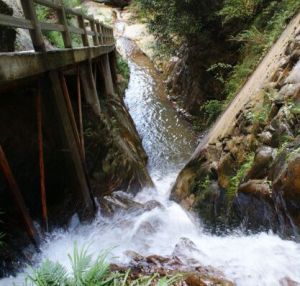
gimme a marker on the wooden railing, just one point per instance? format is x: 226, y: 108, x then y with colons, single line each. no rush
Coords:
x: 87, y: 25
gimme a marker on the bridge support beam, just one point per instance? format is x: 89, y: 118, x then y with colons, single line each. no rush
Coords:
x: 80, y: 178
x: 89, y: 86
x: 105, y: 69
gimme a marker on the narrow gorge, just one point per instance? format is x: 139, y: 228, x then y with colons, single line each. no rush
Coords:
x: 182, y: 197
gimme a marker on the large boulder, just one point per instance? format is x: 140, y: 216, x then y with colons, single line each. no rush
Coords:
x: 253, y: 206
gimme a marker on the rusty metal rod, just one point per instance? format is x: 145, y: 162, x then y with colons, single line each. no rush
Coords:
x: 39, y: 118
x: 70, y: 110
x: 18, y: 198
x: 80, y: 113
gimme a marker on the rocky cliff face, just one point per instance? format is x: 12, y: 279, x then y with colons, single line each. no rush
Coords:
x: 250, y: 175
x: 13, y: 39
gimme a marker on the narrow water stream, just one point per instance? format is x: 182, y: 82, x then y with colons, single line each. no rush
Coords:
x: 262, y: 259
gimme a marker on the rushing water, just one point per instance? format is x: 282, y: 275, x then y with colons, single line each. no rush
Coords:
x: 262, y: 259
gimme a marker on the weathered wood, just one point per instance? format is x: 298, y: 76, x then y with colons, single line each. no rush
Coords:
x: 41, y: 157
x: 76, y: 30
x: 80, y: 179
x: 81, y: 24
x: 89, y: 87
x: 36, y: 34
x: 14, y: 66
x: 48, y: 4
x: 18, y: 198
x: 80, y: 122
x: 99, y: 30
x: 52, y: 27
x: 66, y: 34
x: 93, y: 28
x: 113, y: 67
x: 15, y: 22
x: 105, y: 70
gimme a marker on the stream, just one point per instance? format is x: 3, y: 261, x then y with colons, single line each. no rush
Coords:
x: 261, y: 259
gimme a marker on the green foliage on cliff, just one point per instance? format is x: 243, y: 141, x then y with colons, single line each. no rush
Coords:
x: 175, y: 21
x: 240, y: 174
x: 269, y: 18
x: 248, y: 28
x: 89, y: 272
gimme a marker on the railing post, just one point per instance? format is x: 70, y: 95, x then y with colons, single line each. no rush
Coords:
x: 93, y: 29
x: 85, y: 39
x: 61, y: 14
x: 98, y: 29
x: 36, y: 34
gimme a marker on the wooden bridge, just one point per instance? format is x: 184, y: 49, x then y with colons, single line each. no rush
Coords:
x: 50, y: 87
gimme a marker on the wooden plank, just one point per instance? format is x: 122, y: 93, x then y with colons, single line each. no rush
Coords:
x: 95, y: 36
x: 66, y: 33
x: 36, y: 34
x: 52, y: 27
x: 98, y: 27
x: 89, y: 87
x: 39, y: 118
x: 81, y: 24
x: 18, y: 198
x: 90, y: 33
x: 15, y: 22
x: 48, y: 4
x: 105, y: 70
x: 14, y: 66
x: 76, y: 30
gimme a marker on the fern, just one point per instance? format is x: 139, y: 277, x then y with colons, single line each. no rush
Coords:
x: 89, y: 272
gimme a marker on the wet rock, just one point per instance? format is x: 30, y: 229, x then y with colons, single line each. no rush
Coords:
x: 262, y: 161
x: 186, y: 246
x: 265, y: 137
x: 253, y: 206
x: 150, y: 205
x: 226, y: 170
x: 286, y: 281
x: 211, y: 205
x: 145, y: 229
x: 118, y: 201
x: 171, y: 266
x: 294, y: 76
x: 134, y: 255
x: 289, y: 179
x: 288, y: 91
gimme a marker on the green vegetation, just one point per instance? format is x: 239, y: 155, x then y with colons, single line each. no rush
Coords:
x: 266, y: 24
x: 212, y: 109
x: 124, y: 71
x: 260, y: 115
x: 174, y: 21
x: 243, y: 30
x: 89, y: 272
x: 240, y: 174
x: 45, y: 14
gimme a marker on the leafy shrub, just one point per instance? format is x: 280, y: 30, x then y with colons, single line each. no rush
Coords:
x: 212, y: 109
x: 241, y: 9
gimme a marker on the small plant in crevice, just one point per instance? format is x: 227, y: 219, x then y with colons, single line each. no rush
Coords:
x: 240, y: 174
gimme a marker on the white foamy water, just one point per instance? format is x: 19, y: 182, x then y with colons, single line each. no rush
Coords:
x: 256, y: 260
